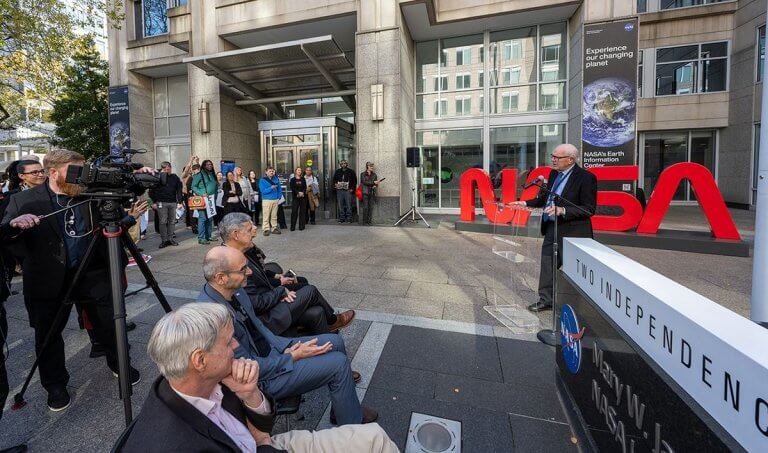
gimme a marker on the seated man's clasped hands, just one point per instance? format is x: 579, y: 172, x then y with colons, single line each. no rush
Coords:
x: 288, y: 366
x: 207, y: 400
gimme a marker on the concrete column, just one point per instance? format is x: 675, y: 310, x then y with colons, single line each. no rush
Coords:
x: 233, y: 131
x: 384, y: 55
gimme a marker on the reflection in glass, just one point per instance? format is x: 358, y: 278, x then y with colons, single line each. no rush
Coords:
x: 552, y: 96
x: 512, y: 147
x: 713, y: 73
x: 155, y: 20
x: 675, y: 78
x: 553, y: 52
x: 513, y: 49
x: 550, y: 136
x: 514, y: 99
x: 426, y: 66
x: 459, y: 151
x: 429, y: 182
x: 661, y: 151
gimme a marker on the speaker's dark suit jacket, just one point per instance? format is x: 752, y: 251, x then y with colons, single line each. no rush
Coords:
x: 581, y: 190
x: 167, y: 423
x: 45, y: 253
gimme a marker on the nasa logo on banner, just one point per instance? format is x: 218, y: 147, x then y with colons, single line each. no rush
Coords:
x: 570, y: 338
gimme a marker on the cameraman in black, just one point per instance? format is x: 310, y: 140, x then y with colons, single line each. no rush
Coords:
x: 53, y: 249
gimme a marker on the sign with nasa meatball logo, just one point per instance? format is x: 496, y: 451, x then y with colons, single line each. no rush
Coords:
x: 609, y: 96
x: 570, y: 338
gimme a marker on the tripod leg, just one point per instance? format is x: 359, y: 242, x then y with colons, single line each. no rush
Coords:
x: 18, y: 399
x: 403, y: 217
x: 150, y: 279
x: 112, y: 232
x: 422, y: 218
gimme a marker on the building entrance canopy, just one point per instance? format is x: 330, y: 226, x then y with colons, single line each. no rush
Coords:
x: 270, y: 74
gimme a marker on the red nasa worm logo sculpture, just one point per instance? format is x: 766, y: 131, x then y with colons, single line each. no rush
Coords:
x: 632, y: 217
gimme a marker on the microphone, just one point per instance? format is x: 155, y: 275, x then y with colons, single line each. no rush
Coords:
x: 536, y: 182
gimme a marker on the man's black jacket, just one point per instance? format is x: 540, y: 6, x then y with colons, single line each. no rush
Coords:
x: 45, y: 253
x: 167, y: 423
x: 581, y: 190
x: 265, y: 298
x: 169, y: 193
x: 345, y: 174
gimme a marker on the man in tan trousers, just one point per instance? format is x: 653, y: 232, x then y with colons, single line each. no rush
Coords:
x: 206, y: 400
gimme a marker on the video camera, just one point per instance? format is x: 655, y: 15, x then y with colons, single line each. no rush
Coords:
x: 113, y: 176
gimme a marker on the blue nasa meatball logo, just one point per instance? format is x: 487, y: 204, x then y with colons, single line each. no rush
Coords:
x: 570, y: 338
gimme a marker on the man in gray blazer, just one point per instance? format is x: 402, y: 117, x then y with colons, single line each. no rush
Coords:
x: 288, y: 366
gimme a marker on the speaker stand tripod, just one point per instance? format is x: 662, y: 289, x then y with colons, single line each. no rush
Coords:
x: 414, y: 211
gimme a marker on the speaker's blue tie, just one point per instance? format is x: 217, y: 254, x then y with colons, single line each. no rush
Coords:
x: 550, y: 198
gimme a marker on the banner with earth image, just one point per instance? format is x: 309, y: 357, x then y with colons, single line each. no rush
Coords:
x: 609, y: 104
x: 119, y: 121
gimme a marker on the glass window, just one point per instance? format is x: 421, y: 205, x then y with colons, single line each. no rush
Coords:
x: 463, y: 81
x: 459, y: 150
x: 429, y: 183
x: 171, y: 106
x: 692, y: 69
x: 463, y: 105
x: 155, y: 20
x: 514, y: 99
x: 552, y: 50
x: 512, y: 147
x: 426, y: 65
x: 760, y: 52
x: 441, y: 83
x: 671, y: 4
x: 755, y: 163
x: 642, y: 6
x: 552, y: 96
x: 661, y: 151
x: 524, y: 58
x: 640, y: 73
x: 530, y: 61
x: 666, y: 148
x: 440, y: 107
x: 550, y: 136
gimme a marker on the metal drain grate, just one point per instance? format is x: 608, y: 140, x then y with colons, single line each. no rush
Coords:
x: 430, y: 434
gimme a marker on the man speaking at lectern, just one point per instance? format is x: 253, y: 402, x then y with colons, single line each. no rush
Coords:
x: 571, y: 182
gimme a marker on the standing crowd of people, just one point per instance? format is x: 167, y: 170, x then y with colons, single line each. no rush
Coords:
x: 258, y: 337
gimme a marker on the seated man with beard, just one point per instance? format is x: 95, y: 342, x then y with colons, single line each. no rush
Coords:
x: 283, y: 310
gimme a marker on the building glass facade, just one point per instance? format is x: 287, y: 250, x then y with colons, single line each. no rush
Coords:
x: 522, y: 72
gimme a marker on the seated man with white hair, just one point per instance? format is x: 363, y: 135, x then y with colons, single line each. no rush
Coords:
x: 283, y: 310
x: 206, y: 400
x: 289, y: 366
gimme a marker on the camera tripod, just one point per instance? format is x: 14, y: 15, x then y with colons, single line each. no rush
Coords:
x: 109, y: 227
x: 414, y: 211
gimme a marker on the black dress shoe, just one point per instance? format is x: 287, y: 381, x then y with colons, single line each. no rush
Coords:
x: 539, y: 306
x: 58, y: 399
x: 163, y: 245
x: 129, y: 326
x: 17, y: 449
x: 133, y: 375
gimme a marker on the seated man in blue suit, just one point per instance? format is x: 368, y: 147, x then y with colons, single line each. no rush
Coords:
x: 288, y: 366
